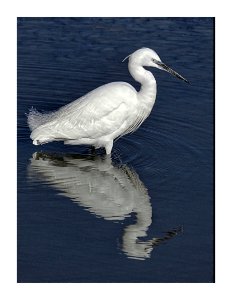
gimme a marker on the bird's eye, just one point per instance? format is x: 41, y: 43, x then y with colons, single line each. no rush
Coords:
x: 153, y: 60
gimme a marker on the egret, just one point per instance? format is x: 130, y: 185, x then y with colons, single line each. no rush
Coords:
x: 106, y: 113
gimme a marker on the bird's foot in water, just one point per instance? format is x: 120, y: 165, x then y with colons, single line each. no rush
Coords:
x: 109, y: 147
x: 92, y: 150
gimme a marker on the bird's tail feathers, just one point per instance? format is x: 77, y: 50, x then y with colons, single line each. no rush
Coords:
x: 35, y: 118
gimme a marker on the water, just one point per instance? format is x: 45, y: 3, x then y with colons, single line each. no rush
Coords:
x: 147, y: 215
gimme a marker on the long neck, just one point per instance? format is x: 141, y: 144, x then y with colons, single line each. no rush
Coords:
x: 148, y: 88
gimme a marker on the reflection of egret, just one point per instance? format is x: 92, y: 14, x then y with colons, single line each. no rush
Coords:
x: 110, y: 192
x: 106, y: 113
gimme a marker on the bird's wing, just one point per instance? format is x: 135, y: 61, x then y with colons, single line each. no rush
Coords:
x: 100, y: 112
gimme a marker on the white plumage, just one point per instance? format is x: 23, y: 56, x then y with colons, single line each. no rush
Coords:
x: 104, y: 114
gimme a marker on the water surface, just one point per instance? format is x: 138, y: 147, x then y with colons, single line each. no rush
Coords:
x: 146, y: 214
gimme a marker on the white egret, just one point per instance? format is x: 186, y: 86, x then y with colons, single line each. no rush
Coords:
x: 106, y: 113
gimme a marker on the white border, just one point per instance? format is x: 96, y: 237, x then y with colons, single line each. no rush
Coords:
x: 9, y: 11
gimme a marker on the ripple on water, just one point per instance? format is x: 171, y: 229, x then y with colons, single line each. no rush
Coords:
x: 160, y: 150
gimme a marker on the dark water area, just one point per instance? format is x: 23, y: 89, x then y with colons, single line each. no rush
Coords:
x: 146, y: 214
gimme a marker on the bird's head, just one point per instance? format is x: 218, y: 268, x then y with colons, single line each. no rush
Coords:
x: 147, y: 57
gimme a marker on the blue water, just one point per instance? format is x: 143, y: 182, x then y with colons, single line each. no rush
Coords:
x: 148, y: 214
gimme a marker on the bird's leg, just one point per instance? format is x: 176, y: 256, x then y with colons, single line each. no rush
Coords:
x: 93, y: 150
x: 109, y: 147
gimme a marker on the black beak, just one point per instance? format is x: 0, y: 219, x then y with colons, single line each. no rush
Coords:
x: 169, y: 70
